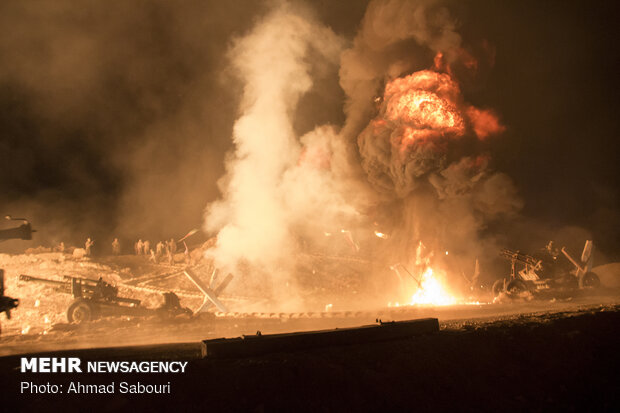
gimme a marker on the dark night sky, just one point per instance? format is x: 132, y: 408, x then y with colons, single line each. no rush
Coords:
x: 115, y: 118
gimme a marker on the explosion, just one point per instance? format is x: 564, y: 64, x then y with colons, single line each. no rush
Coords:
x: 395, y: 160
x: 422, y: 104
x: 426, y: 106
x: 409, y: 153
x: 419, y: 115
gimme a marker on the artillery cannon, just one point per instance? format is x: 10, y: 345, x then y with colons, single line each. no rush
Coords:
x: 544, y: 272
x: 6, y: 303
x: 24, y: 231
x: 97, y: 298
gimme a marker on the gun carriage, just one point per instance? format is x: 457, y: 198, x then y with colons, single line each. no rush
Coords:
x: 93, y: 299
x: 547, y: 271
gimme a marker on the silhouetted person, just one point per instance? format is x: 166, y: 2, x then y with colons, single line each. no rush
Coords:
x: 87, y: 246
x: 159, y: 249
x: 116, y: 247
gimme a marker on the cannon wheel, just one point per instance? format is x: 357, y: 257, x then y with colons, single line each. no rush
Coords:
x: 590, y: 280
x: 498, y: 287
x: 516, y: 287
x: 80, y: 311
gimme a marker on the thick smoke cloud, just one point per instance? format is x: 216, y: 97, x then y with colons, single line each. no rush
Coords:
x: 115, y: 118
x: 279, y: 188
x: 105, y: 115
x: 418, y: 151
x: 276, y: 185
x: 388, y: 45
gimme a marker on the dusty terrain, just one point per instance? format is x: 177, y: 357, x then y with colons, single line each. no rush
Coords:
x: 544, y: 361
x: 40, y: 323
x: 557, y: 352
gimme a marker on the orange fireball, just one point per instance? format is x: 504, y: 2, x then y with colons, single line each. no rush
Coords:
x: 428, y: 105
x: 423, y: 104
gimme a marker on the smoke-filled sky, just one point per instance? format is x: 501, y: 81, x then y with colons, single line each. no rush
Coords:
x: 116, y: 118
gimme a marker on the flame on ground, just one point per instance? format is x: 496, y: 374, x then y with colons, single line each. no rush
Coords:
x: 429, y: 286
x: 431, y: 291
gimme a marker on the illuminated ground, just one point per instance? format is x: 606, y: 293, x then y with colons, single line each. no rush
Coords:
x: 552, y: 353
x: 39, y: 323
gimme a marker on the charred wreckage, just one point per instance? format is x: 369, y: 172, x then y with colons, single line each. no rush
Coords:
x: 549, y: 270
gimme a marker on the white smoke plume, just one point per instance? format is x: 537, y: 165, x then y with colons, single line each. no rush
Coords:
x: 271, y: 183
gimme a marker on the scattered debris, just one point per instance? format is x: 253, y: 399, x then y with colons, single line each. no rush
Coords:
x: 546, y: 272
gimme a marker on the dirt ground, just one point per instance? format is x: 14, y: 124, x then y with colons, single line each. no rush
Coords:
x: 144, y: 331
x: 40, y: 323
x: 553, y: 352
x: 541, y: 361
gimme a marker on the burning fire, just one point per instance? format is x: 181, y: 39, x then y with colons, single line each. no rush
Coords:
x: 431, y: 291
x: 427, y: 105
x: 423, y: 103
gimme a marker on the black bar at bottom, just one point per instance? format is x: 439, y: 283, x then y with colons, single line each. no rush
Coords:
x: 260, y: 344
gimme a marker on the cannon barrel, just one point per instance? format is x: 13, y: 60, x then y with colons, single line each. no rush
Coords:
x: 83, y: 287
x: 518, y: 256
x: 24, y: 231
x: 64, y: 286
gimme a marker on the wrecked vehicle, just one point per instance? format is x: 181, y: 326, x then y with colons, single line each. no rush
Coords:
x: 549, y: 270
